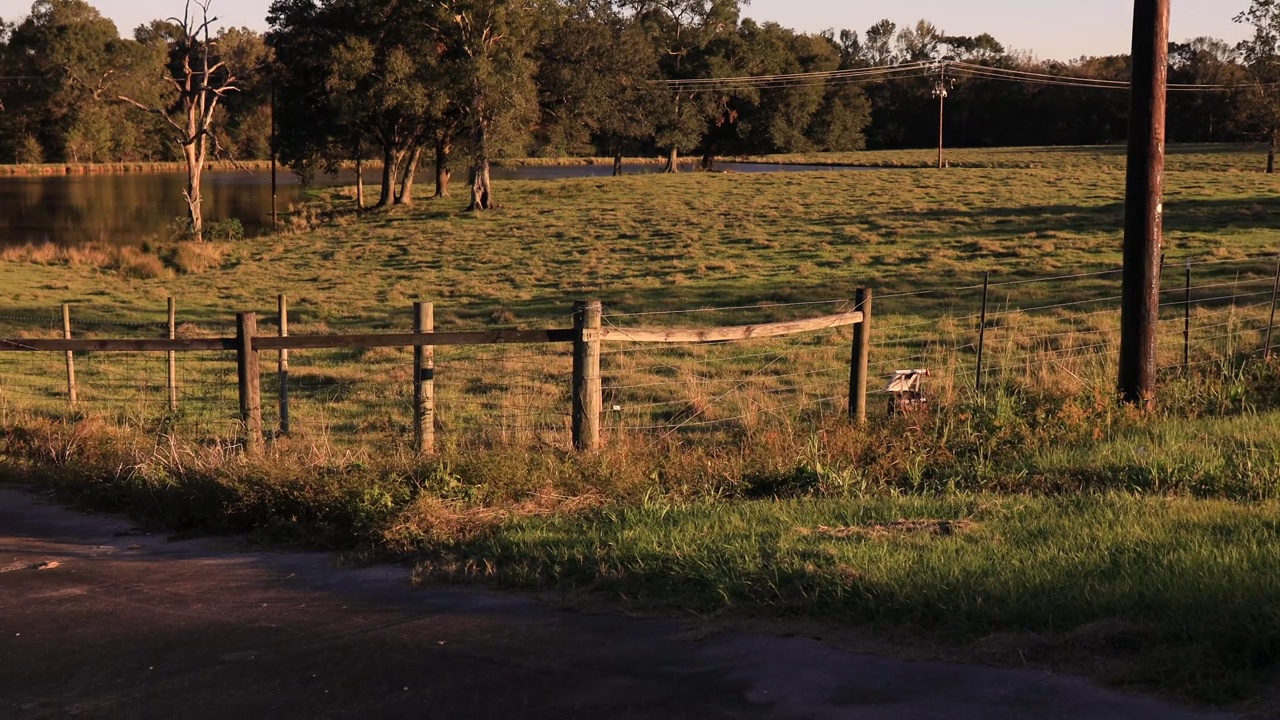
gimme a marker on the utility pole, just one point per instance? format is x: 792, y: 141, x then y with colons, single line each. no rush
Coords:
x: 1144, y: 201
x: 275, y: 218
x: 941, y: 88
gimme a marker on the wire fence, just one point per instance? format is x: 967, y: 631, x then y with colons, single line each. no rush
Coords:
x: 1059, y: 333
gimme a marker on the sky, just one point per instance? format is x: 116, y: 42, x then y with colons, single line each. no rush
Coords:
x: 1048, y: 30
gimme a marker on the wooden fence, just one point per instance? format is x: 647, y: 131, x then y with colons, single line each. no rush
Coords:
x: 586, y: 336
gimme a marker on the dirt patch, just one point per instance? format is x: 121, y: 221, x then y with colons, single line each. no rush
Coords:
x: 44, y: 565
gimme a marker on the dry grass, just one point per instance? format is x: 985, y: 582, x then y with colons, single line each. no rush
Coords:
x: 129, y: 261
x: 139, y: 263
x: 197, y: 257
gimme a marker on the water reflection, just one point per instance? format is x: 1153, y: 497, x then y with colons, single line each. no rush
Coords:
x: 135, y: 208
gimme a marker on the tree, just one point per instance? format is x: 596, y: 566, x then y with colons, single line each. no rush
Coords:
x: 490, y: 75
x: 878, y: 46
x: 1203, y: 116
x: 920, y: 43
x: 245, y: 128
x: 200, y: 74
x: 683, y: 34
x: 383, y: 88
x: 1260, y: 103
x: 8, y: 134
x: 68, y: 60
x: 594, y: 70
x: 354, y: 77
x: 796, y: 118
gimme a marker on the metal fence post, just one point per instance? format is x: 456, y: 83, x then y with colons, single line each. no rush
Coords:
x: 859, y: 357
x: 982, y: 329
x: 247, y: 370
x: 1186, y: 322
x: 1275, y: 290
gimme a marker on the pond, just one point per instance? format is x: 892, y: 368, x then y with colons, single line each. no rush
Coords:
x: 132, y: 208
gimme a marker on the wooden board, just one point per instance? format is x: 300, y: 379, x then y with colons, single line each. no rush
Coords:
x: 723, y: 334
x: 143, y: 345
x: 491, y: 337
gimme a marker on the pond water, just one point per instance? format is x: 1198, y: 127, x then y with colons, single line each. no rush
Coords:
x: 139, y: 207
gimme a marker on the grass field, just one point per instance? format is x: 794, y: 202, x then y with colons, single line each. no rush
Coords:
x: 1036, y: 521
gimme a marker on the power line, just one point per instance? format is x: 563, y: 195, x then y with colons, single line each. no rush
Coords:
x: 924, y: 69
x: 826, y: 74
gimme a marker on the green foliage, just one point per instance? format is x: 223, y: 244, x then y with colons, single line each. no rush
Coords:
x: 70, y: 60
x: 1259, y: 107
x: 592, y: 69
x: 228, y: 230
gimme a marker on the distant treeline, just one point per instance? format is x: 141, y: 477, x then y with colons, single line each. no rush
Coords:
x: 406, y: 83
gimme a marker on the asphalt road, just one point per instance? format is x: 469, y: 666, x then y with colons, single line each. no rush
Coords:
x: 98, y: 620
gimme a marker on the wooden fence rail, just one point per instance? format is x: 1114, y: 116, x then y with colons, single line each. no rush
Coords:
x: 586, y: 337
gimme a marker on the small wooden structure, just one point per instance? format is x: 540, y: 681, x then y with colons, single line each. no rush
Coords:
x: 906, y: 392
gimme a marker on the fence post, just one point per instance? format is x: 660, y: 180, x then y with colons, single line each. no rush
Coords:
x: 588, y: 398
x: 858, y: 358
x: 71, y: 362
x: 1186, y: 322
x: 173, y: 357
x: 247, y: 369
x: 282, y: 308
x: 982, y: 329
x: 1275, y: 290
x: 424, y: 381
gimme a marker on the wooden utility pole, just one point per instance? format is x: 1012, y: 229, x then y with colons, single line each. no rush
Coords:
x: 940, y: 91
x: 1144, y: 201
x: 275, y: 218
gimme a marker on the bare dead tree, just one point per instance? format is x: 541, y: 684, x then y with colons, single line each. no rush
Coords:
x: 202, y: 82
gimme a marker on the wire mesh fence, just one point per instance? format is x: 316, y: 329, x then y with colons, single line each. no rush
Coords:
x: 1058, y: 333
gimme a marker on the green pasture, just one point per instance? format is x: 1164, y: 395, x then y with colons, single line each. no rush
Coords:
x: 1037, y: 517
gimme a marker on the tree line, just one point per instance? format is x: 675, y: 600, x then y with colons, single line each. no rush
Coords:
x: 404, y: 84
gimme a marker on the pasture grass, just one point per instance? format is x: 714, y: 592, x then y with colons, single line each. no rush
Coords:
x: 689, y: 240
x: 1036, y: 519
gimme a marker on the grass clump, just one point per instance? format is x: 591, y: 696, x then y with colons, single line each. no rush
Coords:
x: 189, y: 257
x: 131, y: 262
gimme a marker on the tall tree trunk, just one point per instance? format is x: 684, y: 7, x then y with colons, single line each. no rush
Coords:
x: 673, y: 161
x: 410, y: 172
x: 708, y: 161
x: 481, y: 188
x: 1271, y: 152
x: 442, y: 168
x: 390, y: 162
x: 617, y: 163
x: 359, y: 183
x: 195, y: 164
